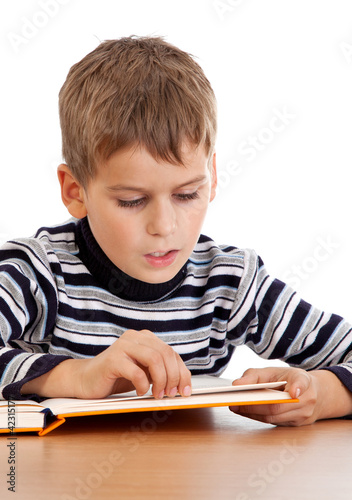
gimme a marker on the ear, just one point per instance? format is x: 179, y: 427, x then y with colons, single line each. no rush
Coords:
x: 72, y: 193
x: 214, y: 178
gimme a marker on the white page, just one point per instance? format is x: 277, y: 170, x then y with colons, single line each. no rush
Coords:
x: 200, y: 385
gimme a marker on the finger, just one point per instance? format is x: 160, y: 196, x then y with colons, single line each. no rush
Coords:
x: 250, y: 376
x: 167, y: 371
x: 173, y: 369
x: 288, y: 414
x: 258, y: 415
x: 122, y: 385
x: 185, y: 384
x: 262, y: 375
x: 150, y: 363
x: 298, y: 382
x: 145, y: 351
x: 164, y: 367
x: 133, y: 373
x: 159, y: 361
x: 132, y: 361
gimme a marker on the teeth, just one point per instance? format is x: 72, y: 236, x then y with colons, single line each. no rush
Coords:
x: 158, y: 254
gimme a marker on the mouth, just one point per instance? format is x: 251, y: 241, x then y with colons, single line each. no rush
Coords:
x: 161, y: 259
x: 160, y: 254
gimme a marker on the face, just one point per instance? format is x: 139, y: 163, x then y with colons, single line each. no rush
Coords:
x: 147, y: 215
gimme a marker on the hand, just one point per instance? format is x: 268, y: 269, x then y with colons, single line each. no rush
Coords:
x: 321, y: 395
x: 134, y: 361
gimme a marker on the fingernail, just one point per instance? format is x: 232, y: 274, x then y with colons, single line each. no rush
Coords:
x: 173, y: 392
x: 161, y: 395
x: 298, y: 392
x: 187, y: 391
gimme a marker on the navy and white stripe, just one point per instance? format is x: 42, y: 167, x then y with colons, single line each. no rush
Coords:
x: 58, y: 300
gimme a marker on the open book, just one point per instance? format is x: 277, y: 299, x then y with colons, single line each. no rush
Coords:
x: 29, y: 416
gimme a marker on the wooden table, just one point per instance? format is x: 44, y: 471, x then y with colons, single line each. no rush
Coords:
x: 206, y: 453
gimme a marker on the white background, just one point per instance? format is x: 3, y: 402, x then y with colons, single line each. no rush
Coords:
x: 289, y: 198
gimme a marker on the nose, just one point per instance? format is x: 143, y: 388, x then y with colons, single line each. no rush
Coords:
x: 161, y: 219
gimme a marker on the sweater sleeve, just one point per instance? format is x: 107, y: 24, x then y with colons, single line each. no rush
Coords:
x: 270, y: 318
x: 28, y: 308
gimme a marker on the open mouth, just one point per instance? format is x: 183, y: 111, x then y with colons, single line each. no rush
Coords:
x: 161, y: 259
x: 160, y: 254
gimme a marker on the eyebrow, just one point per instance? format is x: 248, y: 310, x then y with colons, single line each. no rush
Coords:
x: 122, y: 187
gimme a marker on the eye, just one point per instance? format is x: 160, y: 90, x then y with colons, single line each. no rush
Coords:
x: 188, y: 196
x: 131, y: 203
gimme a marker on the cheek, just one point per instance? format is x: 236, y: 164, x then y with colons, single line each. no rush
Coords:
x: 193, y: 219
x: 127, y: 233
x: 200, y: 210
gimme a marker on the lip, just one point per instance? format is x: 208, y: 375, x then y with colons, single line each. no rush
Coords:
x: 166, y: 259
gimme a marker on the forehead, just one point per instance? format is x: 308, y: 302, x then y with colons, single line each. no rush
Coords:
x: 136, y: 163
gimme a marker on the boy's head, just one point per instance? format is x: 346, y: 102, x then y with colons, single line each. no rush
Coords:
x: 138, y: 121
x: 134, y: 91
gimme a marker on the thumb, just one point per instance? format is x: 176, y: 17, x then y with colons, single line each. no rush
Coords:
x: 262, y: 375
x: 250, y: 376
x: 298, y: 381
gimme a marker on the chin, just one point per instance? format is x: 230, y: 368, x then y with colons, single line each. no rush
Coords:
x: 158, y: 281
x: 158, y: 278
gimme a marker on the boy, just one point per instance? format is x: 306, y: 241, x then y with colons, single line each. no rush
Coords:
x: 128, y: 292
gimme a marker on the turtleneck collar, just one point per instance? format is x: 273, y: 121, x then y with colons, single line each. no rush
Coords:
x: 112, y: 278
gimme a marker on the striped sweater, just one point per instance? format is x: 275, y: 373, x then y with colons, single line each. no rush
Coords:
x: 61, y: 297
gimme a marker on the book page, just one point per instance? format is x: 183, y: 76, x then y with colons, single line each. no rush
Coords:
x: 201, y: 384
x: 206, y: 384
x: 21, y: 406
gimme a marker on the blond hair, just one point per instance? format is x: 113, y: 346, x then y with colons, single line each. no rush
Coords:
x: 135, y: 90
